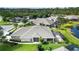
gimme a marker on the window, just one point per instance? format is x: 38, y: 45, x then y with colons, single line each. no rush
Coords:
x: 36, y: 39
x: 49, y: 39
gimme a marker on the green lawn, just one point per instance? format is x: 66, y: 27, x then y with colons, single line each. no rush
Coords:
x: 19, y: 47
x: 69, y: 24
x: 52, y: 45
x: 27, y: 47
x: 68, y: 34
x: 4, y: 23
x: 72, y: 39
x: 65, y: 30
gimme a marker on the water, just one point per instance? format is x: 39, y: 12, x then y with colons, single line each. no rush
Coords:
x: 76, y: 34
x: 75, y: 31
x: 72, y: 48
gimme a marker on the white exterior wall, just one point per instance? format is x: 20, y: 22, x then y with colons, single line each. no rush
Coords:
x: 45, y: 39
x: 58, y: 38
x: 26, y: 39
x: 15, y: 37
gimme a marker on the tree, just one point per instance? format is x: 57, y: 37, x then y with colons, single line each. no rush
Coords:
x: 50, y: 49
x: 24, y: 20
x: 62, y: 21
x: 42, y: 41
x: 1, y: 35
x: 40, y: 48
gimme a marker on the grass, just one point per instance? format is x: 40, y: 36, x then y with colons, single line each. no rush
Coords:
x: 33, y: 47
x: 69, y: 24
x: 4, y: 23
x: 68, y: 34
x: 52, y: 45
x: 27, y: 47
x: 19, y: 47
x: 72, y: 39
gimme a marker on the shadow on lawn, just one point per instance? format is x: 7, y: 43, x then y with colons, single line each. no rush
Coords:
x: 9, y: 46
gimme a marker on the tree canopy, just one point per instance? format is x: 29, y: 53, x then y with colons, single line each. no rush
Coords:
x: 34, y: 13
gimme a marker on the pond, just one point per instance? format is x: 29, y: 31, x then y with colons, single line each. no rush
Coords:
x: 72, y: 47
x: 75, y: 31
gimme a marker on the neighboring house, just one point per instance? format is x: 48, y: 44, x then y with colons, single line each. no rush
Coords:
x: 45, y: 21
x: 26, y: 17
x: 16, y: 19
x: 72, y: 17
x: 42, y: 21
x: 32, y: 34
x: 6, y: 29
x: 19, y: 19
x: 54, y: 19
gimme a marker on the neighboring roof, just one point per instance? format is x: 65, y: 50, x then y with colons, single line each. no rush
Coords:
x: 42, y: 20
x: 71, y: 17
x: 34, y: 31
x: 16, y: 19
x: 7, y: 27
x: 61, y: 49
x: 53, y: 18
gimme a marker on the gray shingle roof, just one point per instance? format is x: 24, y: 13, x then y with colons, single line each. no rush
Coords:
x: 7, y: 27
x: 42, y: 20
x: 71, y: 17
x: 20, y: 31
x: 34, y: 31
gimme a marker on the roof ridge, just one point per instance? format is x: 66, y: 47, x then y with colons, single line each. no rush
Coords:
x: 28, y: 30
x: 17, y: 30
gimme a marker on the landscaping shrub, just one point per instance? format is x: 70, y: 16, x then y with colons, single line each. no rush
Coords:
x: 50, y: 48
x: 40, y: 48
x: 44, y: 42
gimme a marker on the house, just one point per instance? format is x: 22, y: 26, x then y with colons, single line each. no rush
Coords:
x: 6, y: 29
x: 27, y: 17
x: 44, y: 21
x: 16, y: 19
x: 54, y: 19
x: 19, y: 19
x: 72, y: 17
x: 32, y: 34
